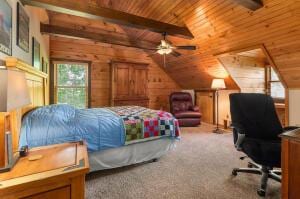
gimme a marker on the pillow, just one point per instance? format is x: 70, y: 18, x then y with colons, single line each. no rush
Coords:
x: 63, y: 112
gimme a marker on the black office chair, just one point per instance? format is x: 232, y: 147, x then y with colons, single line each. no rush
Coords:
x: 255, y: 130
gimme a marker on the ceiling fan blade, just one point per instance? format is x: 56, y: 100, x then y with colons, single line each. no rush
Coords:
x: 152, y: 54
x: 149, y: 49
x: 175, y: 53
x: 186, y: 47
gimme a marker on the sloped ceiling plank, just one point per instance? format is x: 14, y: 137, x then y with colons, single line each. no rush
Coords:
x: 220, y: 26
x: 104, y: 38
x: 81, y: 8
x: 250, y: 4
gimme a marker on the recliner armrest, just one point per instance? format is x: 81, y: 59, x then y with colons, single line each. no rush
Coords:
x: 196, y: 109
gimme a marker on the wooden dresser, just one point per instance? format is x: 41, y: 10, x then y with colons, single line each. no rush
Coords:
x: 290, y: 165
x: 129, y: 84
x: 56, y: 171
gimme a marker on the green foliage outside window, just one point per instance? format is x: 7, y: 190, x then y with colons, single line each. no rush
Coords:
x: 71, y: 84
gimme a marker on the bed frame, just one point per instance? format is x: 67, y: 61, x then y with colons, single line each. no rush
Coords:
x: 38, y: 86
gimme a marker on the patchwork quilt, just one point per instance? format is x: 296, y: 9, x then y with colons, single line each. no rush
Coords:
x: 143, y: 124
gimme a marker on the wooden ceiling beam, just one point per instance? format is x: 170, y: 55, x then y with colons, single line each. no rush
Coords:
x: 250, y: 4
x: 109, y: 15
x: 98, y: 37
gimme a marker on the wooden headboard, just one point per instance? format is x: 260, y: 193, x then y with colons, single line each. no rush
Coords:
x: 39, y: 92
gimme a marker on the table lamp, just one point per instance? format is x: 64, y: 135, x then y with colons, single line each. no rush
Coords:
x: 218, y: 84
x: 13, y: 95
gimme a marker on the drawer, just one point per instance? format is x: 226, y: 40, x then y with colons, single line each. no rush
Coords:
x: 60, y: 193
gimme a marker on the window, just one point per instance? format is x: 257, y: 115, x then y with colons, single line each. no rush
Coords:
x: 71, y: 86
x: 276, y: 88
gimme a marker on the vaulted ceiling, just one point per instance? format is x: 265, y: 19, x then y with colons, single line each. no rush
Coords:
x: 218, y: 26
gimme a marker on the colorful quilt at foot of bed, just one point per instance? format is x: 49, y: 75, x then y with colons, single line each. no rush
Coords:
x: 143, y: 124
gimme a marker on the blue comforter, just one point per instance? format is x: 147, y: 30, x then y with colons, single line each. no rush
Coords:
x: 99, y: 127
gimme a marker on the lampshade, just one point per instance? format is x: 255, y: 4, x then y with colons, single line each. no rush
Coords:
x: 13, y: 90
x: 218, y: 84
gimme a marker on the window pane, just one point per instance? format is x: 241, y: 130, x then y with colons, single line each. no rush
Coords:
x: 71, y: 75
x: 73, y: 96
x: 277, y: 90
x: 274, y: 76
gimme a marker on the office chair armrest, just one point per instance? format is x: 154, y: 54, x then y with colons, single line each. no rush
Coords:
x: 239, y: 139
x: 290, y: 128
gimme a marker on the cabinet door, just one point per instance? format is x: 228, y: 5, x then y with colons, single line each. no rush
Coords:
x: 205, y: 101
x: 140, y: 81
x: 122, y: 80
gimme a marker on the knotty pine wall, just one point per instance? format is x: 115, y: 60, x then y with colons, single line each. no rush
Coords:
x: 160, y: 84
x: 222, y: 26
x: 247, y: 72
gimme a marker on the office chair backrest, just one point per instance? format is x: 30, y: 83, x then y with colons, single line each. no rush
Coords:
x: 256, y: 115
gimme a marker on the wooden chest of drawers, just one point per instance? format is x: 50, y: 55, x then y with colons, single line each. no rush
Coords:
x: 290, y: 165
x: 129, y: 84
x: 58, y: 172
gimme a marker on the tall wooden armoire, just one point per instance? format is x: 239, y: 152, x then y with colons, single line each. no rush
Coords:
x: 129, y: 84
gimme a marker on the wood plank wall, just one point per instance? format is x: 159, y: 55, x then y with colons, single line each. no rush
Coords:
x: 160, y: 84
x: 247, y: 72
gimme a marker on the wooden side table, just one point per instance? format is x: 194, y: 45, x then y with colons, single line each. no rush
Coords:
x: 56, y: 171
x: 290, y: 164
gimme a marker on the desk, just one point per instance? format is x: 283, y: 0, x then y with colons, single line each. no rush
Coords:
x: 290, y: 163
x: 56, y: 171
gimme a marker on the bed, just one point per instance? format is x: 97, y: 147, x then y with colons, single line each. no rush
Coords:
x: 115, y: 136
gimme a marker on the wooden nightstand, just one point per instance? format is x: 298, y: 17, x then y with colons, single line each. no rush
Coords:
x: 59, y: 173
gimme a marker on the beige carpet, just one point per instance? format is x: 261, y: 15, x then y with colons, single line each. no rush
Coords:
x: 200, y: 167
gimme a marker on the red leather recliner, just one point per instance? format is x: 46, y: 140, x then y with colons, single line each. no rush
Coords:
x: 182, y: 108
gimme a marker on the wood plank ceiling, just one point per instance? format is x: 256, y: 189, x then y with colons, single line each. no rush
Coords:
x: 218, y: 26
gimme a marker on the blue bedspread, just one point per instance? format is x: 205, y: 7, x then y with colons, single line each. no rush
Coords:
x: 99, y: 127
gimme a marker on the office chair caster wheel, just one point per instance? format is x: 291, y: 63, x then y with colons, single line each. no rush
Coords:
x: 261, y: 192
x: 234, y: 172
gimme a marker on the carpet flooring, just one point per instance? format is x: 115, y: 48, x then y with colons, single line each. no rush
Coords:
x: 199, y: 167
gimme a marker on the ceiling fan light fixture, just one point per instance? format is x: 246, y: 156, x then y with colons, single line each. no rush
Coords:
x: 164, y: 51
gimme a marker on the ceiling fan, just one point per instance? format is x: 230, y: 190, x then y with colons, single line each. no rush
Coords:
x: 166, y: 47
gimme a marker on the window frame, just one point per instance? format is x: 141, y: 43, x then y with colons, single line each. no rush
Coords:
x: 53, y: 81
x: 269, y: 82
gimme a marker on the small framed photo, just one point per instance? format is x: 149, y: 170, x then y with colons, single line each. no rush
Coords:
x: 44, y: 65
x: 36, y: 54
x: 22, y: 28
x: 5, y: 27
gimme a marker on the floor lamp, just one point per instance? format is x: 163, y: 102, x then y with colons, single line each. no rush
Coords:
x: 218, y: 84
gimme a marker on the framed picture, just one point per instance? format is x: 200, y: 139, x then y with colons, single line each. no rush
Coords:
x: 5, y: 27
x: 45, y: 65
x: 36, y: 56
x: 22, y: 28
x: 46, y: 68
